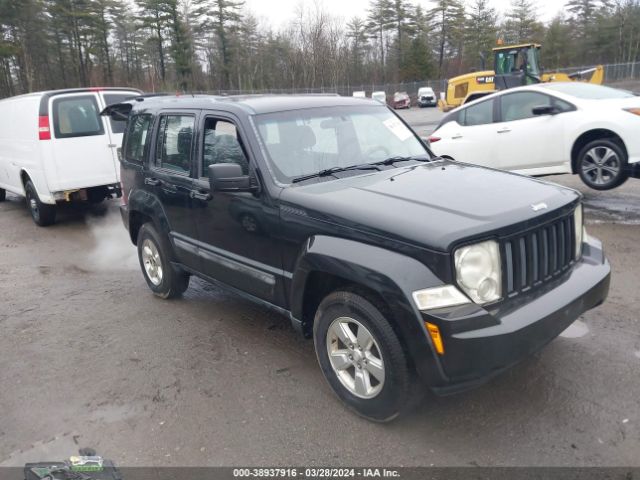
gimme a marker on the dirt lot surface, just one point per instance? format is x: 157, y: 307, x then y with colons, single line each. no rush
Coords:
x: 88, y: 357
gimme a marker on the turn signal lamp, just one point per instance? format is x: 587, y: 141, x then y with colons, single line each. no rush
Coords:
x: 436, y: 338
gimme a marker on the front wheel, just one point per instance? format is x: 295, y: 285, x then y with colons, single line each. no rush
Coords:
x: 43, y: 214
x: 362, y: 358
x: 154, y: 256
x: 602, y: 165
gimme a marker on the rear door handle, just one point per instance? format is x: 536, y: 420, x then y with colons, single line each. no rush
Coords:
x: 154, y: 182
x: 199, y: 195
x: 504, y: 130
x: 456, y: 137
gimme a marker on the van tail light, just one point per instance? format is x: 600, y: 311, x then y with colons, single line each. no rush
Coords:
x: 433, y: 139
x: 44, y: 132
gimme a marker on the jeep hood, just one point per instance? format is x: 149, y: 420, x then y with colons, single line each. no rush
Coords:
x: 433, y: 205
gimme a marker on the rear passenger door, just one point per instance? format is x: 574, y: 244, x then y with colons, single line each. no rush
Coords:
x: 473, y: 139
x: 169, y: 177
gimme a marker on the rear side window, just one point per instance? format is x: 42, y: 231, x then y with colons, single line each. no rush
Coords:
x: 76, y: 117
x: 478, y: 114
x: 518, y: 106
x: 117, y: 125
x: 175, y: 136
x: 137, y: 136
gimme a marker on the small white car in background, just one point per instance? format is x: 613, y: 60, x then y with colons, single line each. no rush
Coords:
x: 359, y: 94
x: 549, y: 128
x: 426, y: 97
x: 379, y: 96
x: 55, y: 147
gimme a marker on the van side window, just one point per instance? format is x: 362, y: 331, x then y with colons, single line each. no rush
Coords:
x: 137, y: 135
x: 117, y: 125
x: 76, y: 116
x: 222, y: 145
x: 173, y: 149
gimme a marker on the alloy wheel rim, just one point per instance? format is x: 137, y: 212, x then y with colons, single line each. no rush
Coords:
x: 355, y: 357
x: 152, y: 262
x: 601, y: 165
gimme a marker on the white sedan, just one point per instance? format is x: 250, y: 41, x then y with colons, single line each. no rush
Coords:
x: 548, y: 128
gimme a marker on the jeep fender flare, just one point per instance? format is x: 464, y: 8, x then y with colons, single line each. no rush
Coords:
x: 392, y: 275
x: 142, y: 202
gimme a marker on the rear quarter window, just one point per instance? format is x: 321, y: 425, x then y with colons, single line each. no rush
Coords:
x: 76, y: 116
x: 137, y: 138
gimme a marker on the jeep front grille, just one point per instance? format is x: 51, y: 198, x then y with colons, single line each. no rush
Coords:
x: 537, y: 256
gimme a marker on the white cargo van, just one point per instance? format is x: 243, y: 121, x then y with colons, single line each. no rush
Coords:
x: 55, y: 147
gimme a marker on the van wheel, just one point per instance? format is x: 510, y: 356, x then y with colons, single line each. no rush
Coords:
x: 3, y: 194
x: 602, y: 165
x: 154, y: 253
x: 42, y: 213
x: 362, y: 358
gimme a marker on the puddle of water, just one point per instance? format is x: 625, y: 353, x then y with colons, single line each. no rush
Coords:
x: 576, y: 330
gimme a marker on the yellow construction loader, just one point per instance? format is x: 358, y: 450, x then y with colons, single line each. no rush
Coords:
x: 514, y: 66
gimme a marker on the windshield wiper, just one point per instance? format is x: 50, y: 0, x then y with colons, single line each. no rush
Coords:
x: 399, y: 158
x: 332, y: 170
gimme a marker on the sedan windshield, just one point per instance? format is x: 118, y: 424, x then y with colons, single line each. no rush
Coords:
x: 305, y: 142
x: 588, y: 91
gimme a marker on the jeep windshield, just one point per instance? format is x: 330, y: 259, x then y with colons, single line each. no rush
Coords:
x: 309, y: 143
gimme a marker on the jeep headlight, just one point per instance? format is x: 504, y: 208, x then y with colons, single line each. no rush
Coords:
x: 579, y: 231
x: 478, y: 271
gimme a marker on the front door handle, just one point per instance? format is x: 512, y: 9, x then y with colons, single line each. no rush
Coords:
x: 504, y: 130
x: 199, y: 195
x: 154, y: 182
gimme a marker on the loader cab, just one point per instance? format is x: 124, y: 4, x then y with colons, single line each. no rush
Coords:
x: 516, y: 65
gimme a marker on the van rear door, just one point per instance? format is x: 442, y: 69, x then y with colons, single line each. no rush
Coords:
x: 80, y: 143
x: 115, y: 126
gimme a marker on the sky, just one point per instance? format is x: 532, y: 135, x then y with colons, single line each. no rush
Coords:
x: 279, y: 12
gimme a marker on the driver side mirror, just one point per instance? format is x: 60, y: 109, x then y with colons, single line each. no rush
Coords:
x: 228, y: 177
x: 544, y: 110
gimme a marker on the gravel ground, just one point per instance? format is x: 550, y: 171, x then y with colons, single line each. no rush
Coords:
x: 90, y: 358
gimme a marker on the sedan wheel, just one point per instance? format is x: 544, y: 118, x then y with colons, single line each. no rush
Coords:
x: 602, y: 164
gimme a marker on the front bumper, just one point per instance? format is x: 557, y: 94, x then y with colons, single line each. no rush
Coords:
x: 479, y: 343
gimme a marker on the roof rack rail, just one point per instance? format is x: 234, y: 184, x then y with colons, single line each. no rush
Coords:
x: 140, y: 98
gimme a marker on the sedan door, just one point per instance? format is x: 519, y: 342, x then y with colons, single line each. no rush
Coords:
x: 530, y: 143
x: 470, y: 138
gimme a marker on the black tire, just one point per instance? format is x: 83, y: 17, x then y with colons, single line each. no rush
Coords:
x: 601, y: 176
x: 400, y: 389
x: 3, y: 194
x: 43, y: 214
x: 170, y: 283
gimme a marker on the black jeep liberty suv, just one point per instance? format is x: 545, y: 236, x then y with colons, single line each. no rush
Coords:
x: 405, y: 268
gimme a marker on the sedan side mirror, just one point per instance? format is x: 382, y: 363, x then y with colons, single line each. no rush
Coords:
x: 544, y: 110
x: 228, y: 177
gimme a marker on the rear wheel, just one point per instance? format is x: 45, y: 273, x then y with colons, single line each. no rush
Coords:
x: 154, y: 254
x: 602, y: 164
x: 362, y: 358
x: 43, y: 214
x: 3, y: 194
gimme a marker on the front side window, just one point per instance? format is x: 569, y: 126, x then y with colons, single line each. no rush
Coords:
x: 137, y: 135
x: 518, y: 106
x: 303, y: 142
x: 76, y: 116
x: 478, y: 114
x: 222, y: 145
x: 173, y: 149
